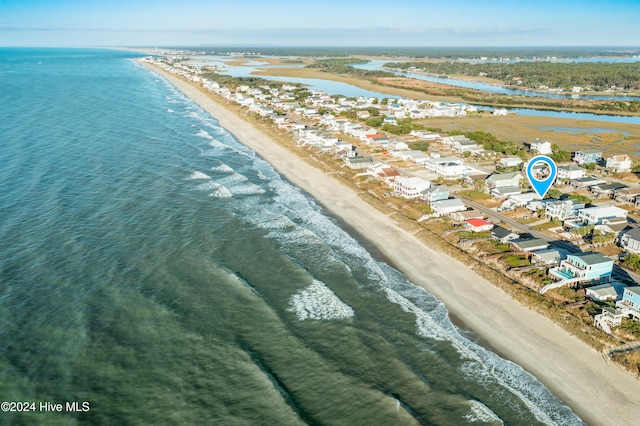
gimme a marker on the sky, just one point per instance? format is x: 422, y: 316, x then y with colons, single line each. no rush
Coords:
x: 150, y: 23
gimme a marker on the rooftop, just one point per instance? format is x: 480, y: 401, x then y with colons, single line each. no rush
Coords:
x: 591, y: 258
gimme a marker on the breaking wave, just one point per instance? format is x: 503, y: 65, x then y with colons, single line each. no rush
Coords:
x: 199, y: 176
x: 480, y: 413
x: 204, y: 135
x: 318, y: 302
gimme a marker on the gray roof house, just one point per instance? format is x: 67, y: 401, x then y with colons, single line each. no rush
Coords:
x: 503, y: 235
x: 528, y: 245
x: 610, y: 291
x: 630, y: 240
x: 446, y: 207
x: 547, y: 257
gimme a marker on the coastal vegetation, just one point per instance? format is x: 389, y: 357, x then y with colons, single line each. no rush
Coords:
x: 594, y: 76
x: 341, y: 67
x: 477, y: 53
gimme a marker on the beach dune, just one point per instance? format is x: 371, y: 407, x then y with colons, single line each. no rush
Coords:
x: 600, y: 393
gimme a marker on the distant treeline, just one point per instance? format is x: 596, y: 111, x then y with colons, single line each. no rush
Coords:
x: 429, y: 52
x: 593, y: 75
x: 341, y: 66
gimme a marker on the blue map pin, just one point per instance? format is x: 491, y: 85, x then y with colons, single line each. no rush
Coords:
x: 541, y: 176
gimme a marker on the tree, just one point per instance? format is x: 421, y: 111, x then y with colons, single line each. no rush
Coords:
x: 554, y: 193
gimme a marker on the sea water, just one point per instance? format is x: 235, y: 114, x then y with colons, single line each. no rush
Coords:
x: 157, y: 269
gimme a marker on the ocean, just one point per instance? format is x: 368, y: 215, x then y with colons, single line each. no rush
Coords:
x: 156, y: 271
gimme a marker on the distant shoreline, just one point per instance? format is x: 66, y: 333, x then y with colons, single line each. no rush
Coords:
x: 577, y: 374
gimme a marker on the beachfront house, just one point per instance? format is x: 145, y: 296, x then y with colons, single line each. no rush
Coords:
x: 587, y: 156
x: 358, y: 162
x: 463, y: 215
x: 630, y: 241
x: 478, y: 225
x: 630, y: 303
x: 447, y: 207
x: 503, y: 235
x: 435, y: 193
x: 570, y: 171
x: 526, y: 245
x: 548, y: 257
x: 583, y: 268
x: 619, y: 163
x: 504, y: 184
x: 410, y: 187
x: 563, y: 209
x: 609, y: 291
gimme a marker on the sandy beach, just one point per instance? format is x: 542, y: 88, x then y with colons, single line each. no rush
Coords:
x: 600, y: 393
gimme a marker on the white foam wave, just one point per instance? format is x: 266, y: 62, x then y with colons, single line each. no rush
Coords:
x: 170, y: 110
x: 199, y: 176
x: 425, y: 323
x: 247, y: 188
x: 204, y: 135
x: 207, y: 186
x: 221, y: 192
x: 223, y: 168
x: 480, y: 413
x: 318, y: 302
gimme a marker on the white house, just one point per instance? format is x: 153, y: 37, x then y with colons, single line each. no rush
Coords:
x: 447, y: 167
x: 425, y: 135
x: 563, y: 209
x: 410, y: 187
x: 630, y: 241
x: 543, y: 147
x: 510, y: 161
x: 570, y: 171
x: 504, y: 184
x: 595, y: 215
x: 619, y: 163
x: 447, y: 207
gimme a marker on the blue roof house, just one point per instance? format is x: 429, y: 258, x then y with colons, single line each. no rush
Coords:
x: 584, y: 267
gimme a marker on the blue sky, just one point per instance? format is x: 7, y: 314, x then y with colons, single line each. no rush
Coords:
x: 323, y: 23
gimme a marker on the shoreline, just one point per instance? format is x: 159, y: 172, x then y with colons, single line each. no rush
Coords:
x: 599, y: 393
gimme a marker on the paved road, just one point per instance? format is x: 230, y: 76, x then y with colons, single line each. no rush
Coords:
x: 618, y: 272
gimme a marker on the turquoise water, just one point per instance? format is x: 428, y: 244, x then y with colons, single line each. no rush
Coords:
x: 157, y: 269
